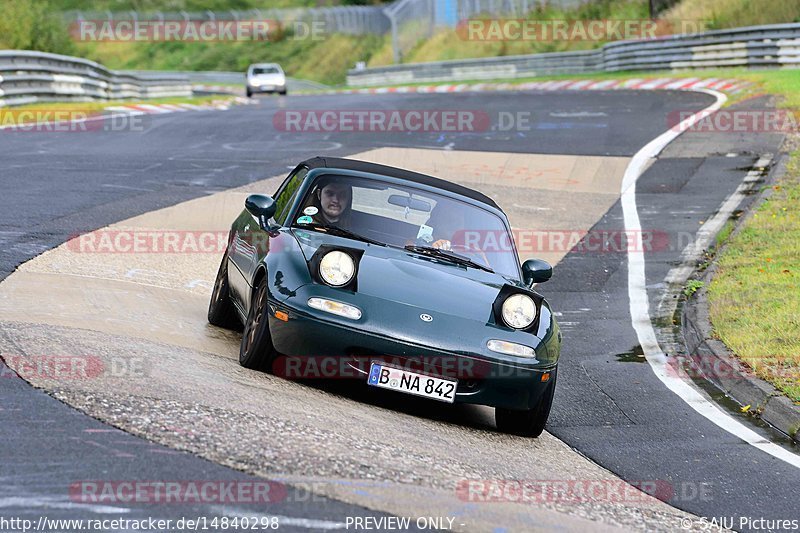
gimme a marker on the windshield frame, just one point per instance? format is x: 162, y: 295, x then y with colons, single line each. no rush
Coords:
x: 316, y: 173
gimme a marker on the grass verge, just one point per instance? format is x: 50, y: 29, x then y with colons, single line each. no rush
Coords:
x: 325, y: 61
x: 754, y: 297
x: 781, y: 82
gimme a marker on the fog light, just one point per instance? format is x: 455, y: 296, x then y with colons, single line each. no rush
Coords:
x: 510, y: 348
x: 335, y: 308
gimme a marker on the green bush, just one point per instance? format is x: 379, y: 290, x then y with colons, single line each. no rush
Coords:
x: 33, y: 25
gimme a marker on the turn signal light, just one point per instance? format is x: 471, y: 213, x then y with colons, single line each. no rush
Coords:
x: 335, y: 308
x: 510, y: 348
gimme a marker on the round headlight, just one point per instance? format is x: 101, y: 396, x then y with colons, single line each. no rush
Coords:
x: 519, y: 311
x: 337, y: 268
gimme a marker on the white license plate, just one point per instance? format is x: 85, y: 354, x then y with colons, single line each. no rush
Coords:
x: 389, y: 377
x: 267, y: 87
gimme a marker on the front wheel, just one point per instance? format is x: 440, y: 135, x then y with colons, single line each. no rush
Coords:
x: 529, y: 422
x: 249, y: 93
x: 220, y: 309
x: 256, y: 351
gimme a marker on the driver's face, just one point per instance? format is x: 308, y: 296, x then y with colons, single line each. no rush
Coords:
x: 334, y: 198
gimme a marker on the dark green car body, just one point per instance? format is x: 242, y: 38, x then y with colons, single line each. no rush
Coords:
x: 394, y: 288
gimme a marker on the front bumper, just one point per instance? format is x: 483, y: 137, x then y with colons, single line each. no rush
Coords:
x: 315, y: 346
x: 267, y: 88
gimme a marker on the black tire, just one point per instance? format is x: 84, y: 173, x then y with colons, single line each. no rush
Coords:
x: 283, y: 92
x: 256, y: 351
x: 221, y: 311
x: 249, y: 93
x: 531, y: 422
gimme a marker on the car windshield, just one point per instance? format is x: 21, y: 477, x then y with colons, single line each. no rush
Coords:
x: 265, y: 70
x: 407, y: 217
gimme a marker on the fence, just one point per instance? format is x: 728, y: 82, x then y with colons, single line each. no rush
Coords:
x: 29, y: 77
x: 414, y: 20
x: 776, y: 45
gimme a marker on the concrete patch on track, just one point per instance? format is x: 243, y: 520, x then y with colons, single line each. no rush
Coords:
x: 165, y: 374
x: 592, y: 174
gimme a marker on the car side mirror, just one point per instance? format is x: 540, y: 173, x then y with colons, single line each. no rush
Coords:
x: 262, y: 207
x: 536, y: 271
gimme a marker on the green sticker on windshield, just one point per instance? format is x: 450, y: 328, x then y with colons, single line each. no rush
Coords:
x: 305, y: 220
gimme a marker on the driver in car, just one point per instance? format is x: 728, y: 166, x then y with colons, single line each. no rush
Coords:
x: 334, y: 203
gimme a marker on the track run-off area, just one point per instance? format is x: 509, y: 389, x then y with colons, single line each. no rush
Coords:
x: 172, y: 403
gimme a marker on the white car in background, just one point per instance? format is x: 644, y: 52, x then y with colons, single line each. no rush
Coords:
x: 265, y: 78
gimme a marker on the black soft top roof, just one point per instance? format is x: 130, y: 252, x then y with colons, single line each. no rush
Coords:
x: 374, y: 168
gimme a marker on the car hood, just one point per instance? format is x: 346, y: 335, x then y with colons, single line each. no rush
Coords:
x: 409, y: 279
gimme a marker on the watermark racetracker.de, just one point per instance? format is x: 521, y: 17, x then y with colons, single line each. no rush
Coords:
x: 71, y: 367
x: 70, y: 120
x: 200, y: 491
x: 579, y: 491
x: 381, y: 120
x: 700, y: 366
x: 562, y: 30
x: 219, y: 29
x: 735, y: 121
x: 525, y: 241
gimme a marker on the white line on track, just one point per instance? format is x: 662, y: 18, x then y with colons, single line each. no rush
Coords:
x: 48, y: 502
x: 128, y: 187
x: 306, y: 523
x: 639, y: 305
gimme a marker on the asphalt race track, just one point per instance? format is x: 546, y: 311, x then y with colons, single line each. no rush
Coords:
x: 192, y: 413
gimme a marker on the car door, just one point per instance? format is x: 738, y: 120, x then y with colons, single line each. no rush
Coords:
x: 251, y: 244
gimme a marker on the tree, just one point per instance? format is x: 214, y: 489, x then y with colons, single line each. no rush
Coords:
x: 33, y: 25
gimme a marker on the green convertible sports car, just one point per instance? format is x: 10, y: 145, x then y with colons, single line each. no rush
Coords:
x: 403, y: 281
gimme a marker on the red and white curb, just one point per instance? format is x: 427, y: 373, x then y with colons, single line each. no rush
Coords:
x: 731, y: 86
x: 124, y: 110
x: 160, y: 109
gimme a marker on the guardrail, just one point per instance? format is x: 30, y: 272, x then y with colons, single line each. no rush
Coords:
x: 776, y: 45
x: 221, y: 77
x: 29, y: 77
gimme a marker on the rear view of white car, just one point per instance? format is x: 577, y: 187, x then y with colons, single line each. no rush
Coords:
x: 265, y: 78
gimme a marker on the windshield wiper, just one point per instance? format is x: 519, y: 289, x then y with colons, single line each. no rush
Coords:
x: 341, y: 232
x: 448, y: 255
